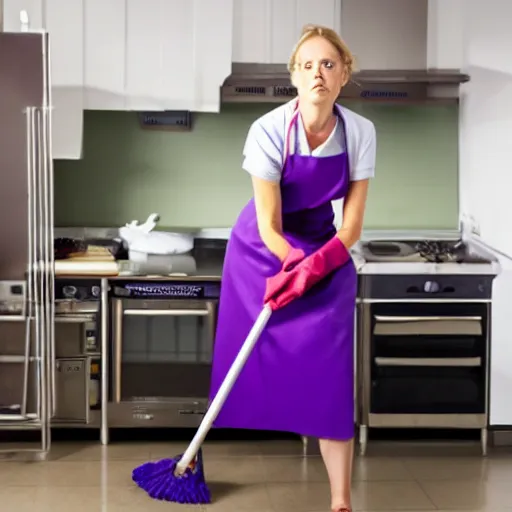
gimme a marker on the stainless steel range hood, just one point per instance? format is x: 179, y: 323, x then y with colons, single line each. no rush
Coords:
x: 270, y: 83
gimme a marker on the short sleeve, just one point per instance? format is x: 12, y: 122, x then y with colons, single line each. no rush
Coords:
x: 366, y: 156
x: 263, y: 152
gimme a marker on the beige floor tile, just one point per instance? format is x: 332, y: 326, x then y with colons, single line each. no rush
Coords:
x: 294, y: 469
x: 209, y: 449
x: 380, y: 496
x: 232, y: 497
x: 380, y: 469
x: 102, y: 499
x: 67, y: 473
x: 18, y: 499
x: 500, y: 469
x: 96, y: 452
x: 238, y: 470
x: 467, y: 494
x: 448, y: 468
x: 166, y: 450
x: 299, y: 497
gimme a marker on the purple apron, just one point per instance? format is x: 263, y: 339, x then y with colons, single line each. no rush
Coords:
x: 300, y: 376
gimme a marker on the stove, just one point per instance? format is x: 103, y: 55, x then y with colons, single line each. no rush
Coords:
x: 424, y: 335
x: 428, y: 251
x: 426, y: 256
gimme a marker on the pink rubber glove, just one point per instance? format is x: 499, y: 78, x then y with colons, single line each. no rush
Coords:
x: 292, y: 258
x: 289, y: 285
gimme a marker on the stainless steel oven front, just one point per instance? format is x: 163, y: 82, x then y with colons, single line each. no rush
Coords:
x: 162, y: 344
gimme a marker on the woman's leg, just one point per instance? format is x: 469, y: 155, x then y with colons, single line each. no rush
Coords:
x: 338, y: 457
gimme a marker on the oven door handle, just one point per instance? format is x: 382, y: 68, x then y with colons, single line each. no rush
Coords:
x: 382, y: 318
x: 74, y: 319
x: 166, y: 312
x: 472, y: 362
x: 428, y: 325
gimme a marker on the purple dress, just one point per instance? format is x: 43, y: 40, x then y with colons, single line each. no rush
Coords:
x: 300, y: 376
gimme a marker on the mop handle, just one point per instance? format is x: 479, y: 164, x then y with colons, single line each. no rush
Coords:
x: 224, y: 390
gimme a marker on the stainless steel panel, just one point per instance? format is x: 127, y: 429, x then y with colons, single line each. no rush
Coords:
x: 426, y: 325
x: 423, y: 361
x: 72, y: 379
x: 427, y: 420
x: 178, y: 413
x: 71, y: 336
x: 21, y: 86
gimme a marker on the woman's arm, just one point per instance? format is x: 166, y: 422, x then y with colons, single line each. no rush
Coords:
x: 353, y: 213
x: 267, y: 199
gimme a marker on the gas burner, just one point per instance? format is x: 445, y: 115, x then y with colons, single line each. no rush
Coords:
x: 441, y: 251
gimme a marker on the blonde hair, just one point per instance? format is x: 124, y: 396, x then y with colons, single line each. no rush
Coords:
x: 310, y: 31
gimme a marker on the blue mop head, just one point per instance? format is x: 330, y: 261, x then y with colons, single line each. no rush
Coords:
x: 160, y: 482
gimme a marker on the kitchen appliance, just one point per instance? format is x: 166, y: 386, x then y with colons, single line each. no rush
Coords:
x: 77, y: 359
x: 27, y: 350
x: 78, y: 352
x: 424, y: 336
x: 162, y: 342
x: 270, y: 83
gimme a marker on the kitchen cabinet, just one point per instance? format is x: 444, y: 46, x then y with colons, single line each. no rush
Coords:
x: 390, y: 34
x: 157, y: 54
x: 104, y: 54
x: 266, y: 32
x: 63, y: 20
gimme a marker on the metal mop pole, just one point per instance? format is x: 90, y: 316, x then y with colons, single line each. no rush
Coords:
x: 224, y: 390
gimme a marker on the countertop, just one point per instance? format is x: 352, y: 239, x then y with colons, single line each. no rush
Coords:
x: 210, y: 246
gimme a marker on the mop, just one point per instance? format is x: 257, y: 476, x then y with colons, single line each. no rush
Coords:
x: 181, y: 479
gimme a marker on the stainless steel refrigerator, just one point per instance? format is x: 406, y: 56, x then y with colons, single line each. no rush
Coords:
x: 27, y: 355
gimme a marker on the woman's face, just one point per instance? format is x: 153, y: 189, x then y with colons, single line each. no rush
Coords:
x: 319, y: 74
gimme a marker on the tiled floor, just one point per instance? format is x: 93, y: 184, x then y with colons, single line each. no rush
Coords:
x: 262, y: 477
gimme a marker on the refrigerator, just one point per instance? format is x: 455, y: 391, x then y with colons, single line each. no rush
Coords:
x: 27, y: 355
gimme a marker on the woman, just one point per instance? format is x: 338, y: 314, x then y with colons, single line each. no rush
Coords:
x: 301, y: 156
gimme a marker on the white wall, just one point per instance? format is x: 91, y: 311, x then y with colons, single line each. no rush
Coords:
x: 476, y: 37
x: 486, y: 121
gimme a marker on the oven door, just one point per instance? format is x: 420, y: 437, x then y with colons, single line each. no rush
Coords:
x: 162, y: 354
x: 428, y: 359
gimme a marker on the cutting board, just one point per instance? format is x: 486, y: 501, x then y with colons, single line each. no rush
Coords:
x: 89, y: 268
x: 93, y: 253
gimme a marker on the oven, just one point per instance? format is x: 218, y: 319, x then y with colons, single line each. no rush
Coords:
x: 428, y: 358
x: 162, y: 343
x: 423, y: 352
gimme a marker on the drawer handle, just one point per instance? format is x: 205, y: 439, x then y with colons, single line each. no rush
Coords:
x: 473, y: 362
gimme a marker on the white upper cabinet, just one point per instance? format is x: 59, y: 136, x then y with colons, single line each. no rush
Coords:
x: 104, y: 54
x: 178, y: 53
x: 157, y: 54
x: 266, y: 31
x: 386, y: 34
x: 63, y: 20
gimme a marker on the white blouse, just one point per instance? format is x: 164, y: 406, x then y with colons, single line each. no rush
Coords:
x: 264, y: 147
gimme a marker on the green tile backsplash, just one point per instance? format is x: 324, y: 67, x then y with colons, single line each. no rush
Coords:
x: 195, y: 179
